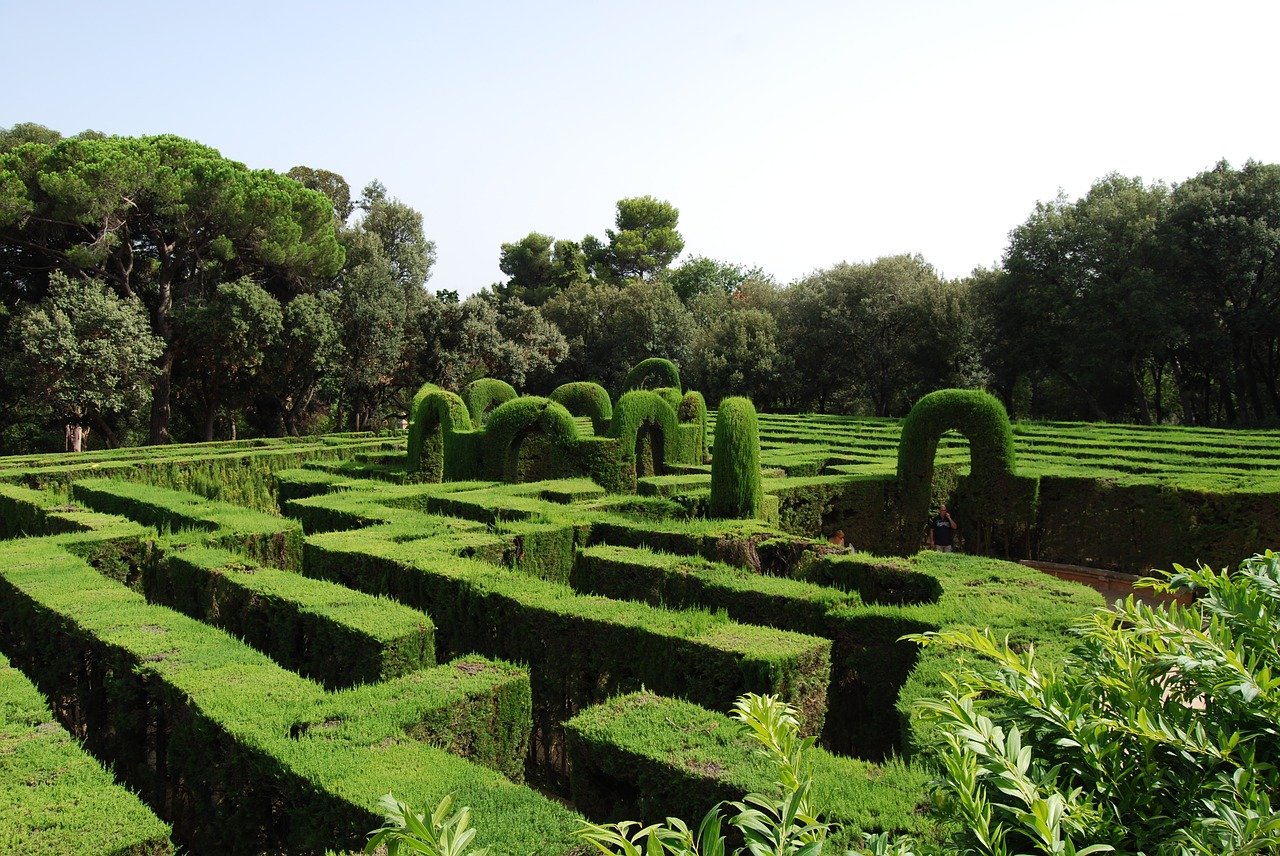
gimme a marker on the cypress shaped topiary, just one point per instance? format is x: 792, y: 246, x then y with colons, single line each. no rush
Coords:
x: 665, y: 370
x: 483, y: 395
x: 736, y: 490
x: 585, y: 398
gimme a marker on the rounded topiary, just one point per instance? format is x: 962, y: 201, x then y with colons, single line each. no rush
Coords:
x: 982, y: 419
x: 666, y: 372
x: 585, y: 398
x: 434, y: 414
x: 483, y: 395
x: 736, y: 489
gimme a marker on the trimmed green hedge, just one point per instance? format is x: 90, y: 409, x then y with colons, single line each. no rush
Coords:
x: 439, y: 431
x: 693, y: 411
x: 238, y: 472
x: 645, y: 426
x: 246, y: 756
x: 664, y: 371
x: 323, y: 631
x: 645, y: 757
x: 580, y: 649
x: 529, y: 420
x: 271, y: 540
x: 55, y: 800
x: 585, y: 398
x: 735, y: 468
x: 483, y: 395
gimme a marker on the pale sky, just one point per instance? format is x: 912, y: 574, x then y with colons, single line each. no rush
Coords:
x: 790, y: 135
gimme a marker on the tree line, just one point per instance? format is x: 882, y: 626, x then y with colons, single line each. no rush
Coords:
x: 152, y: 290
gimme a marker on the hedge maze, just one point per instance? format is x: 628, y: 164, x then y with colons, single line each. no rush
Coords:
x: 543, y: 606
x: 1121, y: 497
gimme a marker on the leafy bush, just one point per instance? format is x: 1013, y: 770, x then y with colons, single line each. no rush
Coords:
x: 1159, y: 737
x: 445, y: 833
x: 787, y: 824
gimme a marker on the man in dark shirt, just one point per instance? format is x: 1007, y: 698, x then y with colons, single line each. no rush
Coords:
x: 942, y: 530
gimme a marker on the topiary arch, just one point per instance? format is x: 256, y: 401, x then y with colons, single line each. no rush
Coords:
x: 665, y: 371
x: 485, y: 394
x: 518, y: 421
x: 585, y: 398
x: 992, y: 485
x: 642, y: 415
x: 436, y: 415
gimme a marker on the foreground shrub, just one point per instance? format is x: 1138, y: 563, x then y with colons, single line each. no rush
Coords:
x: 783, y: 825
x: 1159, y: 737
x: 444, y: 833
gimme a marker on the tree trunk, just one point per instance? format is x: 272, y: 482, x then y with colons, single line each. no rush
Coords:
x: 160, y: 407
x: 210, y: 414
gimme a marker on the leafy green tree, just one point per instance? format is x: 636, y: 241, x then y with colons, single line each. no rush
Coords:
x: 643, y: 242
x: 610, y: 328
x: 1080, y: 305
x: 703, y: 276
x: 223, y: 342
x: 373, y: 315
x: 27, y: 132
x: 1220, y: 255
x: 883, y: 333
x: 161, y: 219
x: 81, y: 356
x: 302, y: 364
x: 735, y: 348
x: 331, y: 184
x: 403, y: 243
x: 380, y: 292
x: 480, y: 337
x: 538, y: 267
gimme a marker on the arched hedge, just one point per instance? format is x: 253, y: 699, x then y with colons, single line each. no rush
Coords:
x: 736, y: 486
x: 640, y: 410
x: 693, y: 412
x: 585, y: 398
x: 485, y: 394
x: 511, y: 423
x: 436, y: 416
x: 666, y: 372
x: 992, y: 488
